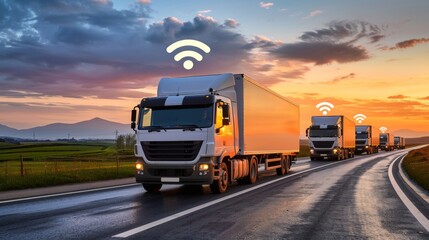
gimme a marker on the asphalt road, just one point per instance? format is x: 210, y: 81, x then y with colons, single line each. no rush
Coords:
x: 350, y: 199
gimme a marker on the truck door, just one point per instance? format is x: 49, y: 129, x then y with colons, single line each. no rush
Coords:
x: 224, y: 128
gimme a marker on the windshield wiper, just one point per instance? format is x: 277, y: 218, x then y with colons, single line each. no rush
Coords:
x: 155, y: 128
x: 189, y: 127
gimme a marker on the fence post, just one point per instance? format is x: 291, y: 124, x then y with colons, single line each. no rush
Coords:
x: 22, y: 164
x: 117, y: 165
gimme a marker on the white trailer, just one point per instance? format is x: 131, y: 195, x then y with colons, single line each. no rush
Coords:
x: 214, y: 130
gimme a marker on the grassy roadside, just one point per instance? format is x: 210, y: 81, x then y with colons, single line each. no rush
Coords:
x: 416, y: 164
x: 57, y: 163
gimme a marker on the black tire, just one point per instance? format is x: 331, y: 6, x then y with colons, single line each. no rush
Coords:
x: 220, y: 185
x: 253, y: 171
x: 313, y: 158
x: 284, y: 166
x: 152, y: 188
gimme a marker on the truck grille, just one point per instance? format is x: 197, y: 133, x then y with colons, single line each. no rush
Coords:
x: 323, y: 144
x: 360, y: 142
x: 171, y: 151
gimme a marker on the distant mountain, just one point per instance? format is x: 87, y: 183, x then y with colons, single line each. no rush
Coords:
x: 407, y: 133
x: 96, y: 128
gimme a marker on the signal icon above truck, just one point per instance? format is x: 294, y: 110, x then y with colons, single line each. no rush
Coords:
x: 188, y: 64
x: 325, y: 107
x: 359, y: 117
x: 383, y: 129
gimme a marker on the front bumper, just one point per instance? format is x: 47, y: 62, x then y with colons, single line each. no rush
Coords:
x: 325, y: 154
x: 176, y: 173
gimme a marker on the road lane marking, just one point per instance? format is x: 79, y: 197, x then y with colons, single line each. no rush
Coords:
x: 208, y: 204
x: 68, y: 193
x: 411, y: 207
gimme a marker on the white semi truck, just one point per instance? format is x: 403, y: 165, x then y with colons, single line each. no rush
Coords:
x: 386, y: 141
x: 399, y: 142
x: 331, y: 137
x: 365, y: 142
x: 213, y: 129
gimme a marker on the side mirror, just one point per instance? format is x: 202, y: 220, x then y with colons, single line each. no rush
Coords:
x: 133, y: 119
x: 306, y: 132
x: 133, y: 115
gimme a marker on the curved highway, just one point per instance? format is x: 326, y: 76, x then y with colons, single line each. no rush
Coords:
x: 354, y: 198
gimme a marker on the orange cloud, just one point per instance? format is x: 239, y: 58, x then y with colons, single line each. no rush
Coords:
x: 400, y: 96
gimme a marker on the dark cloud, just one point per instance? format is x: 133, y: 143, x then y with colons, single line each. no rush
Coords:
x: 400, y: 96
x: 321, y: 52
x: 345, y: 31
x: 408, y: 43
x: 339, y: 42
x: 232, y: 23
x: 424, y: 98
x: 338, y: 79
x: 88, y: 48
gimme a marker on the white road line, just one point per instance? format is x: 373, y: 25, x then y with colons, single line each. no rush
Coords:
x: 413, y: 209
x: 67, y: 193
x: 208, y: 204
x: 416, y: 188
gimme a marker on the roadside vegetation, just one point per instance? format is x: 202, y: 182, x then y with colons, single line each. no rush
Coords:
x: 304, y: 151
x: 416, y: 164
x: 41, y: 164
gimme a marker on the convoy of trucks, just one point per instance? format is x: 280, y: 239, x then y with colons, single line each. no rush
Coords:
x: 386, y: 141
x: 331, y: 137
x: 399, y: 142
x: 214, y: 130
x: 365, y: 140
x: 224, y: 128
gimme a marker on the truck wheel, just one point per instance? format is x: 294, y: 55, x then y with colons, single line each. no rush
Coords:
x: 220, y: 185
x: 253, y: 171
x: 152, y: 188
x: 313, y: 158
x: 284, y: 166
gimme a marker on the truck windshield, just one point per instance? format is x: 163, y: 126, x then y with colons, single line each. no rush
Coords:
x: 362, y: 135
x: 167, y: 117
x: 383, y: 139
x: 323, y: 133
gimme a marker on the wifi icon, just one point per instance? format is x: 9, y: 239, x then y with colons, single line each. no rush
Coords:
x: 188, y: 64
x: 383, y: 129
x: 359, y: 117
x: 325, y: 107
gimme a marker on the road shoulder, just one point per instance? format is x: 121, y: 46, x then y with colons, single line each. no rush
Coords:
x: 35, y: 192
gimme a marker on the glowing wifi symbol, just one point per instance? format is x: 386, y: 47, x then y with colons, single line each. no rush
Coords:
x: 325, y: 107
x: 188, y: 64
x: 383, y: 129
x: 359, y: 117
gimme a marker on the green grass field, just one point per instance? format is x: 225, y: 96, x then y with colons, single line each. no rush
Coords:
x: 56, y: 163
x: 416, y: 164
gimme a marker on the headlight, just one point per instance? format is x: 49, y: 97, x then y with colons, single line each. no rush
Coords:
x: 311, y: 150
x: 139, y: 166
x: 204, y: 167
x: 366, y: 146
x: 335, y: 150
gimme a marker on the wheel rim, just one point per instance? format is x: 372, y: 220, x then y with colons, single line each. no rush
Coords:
x: 224, y: 179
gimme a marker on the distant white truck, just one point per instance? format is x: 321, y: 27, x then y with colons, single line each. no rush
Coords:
x: 386, y: 141
x: 331, y: 137
x: 399, y: 142
x: 365, y: 142
x: 214, y: 130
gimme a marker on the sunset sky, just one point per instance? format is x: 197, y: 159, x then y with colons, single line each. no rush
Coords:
x: 69, y: 61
